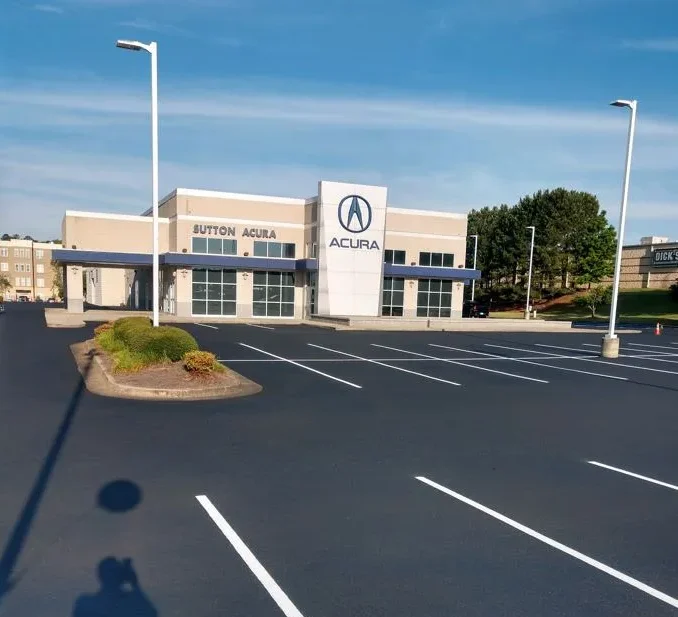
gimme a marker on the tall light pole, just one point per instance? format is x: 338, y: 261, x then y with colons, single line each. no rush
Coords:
x: 529, y: 275
x: 610, y: 345
x: 152, y: 49
x: 475, y: 259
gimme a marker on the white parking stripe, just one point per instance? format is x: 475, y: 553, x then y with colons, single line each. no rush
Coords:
x: 256, y: 325
x: 652, y: 354
x: 625, y: 578
x: 653, y: 346
x: 480, y: 368
x: 273, y: 589
x: 634, y: 475
x: 308, y: 368
x: 557, y: 368
x: 395, y: 368
x: 489, y: 358
x: 204, y: 325
x: 634, y: 366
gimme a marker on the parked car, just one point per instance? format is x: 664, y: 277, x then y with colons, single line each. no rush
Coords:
x: 475, y: 309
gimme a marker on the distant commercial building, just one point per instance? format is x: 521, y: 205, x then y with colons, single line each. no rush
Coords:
x: 651, y: 264
x: 343, y: 252
x: 28, y: 267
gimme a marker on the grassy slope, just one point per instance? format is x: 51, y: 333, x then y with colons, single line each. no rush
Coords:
x: 635, y: 305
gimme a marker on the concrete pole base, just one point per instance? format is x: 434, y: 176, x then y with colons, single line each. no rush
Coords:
x: 610, y: 347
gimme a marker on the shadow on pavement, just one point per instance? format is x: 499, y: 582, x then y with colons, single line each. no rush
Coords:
x: 119, y: 595
x: 22, y: 527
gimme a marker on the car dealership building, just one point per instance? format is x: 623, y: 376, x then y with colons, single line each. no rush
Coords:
x: 343, y: 253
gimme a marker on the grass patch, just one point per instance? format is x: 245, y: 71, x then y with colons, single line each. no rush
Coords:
x: 635, y: 305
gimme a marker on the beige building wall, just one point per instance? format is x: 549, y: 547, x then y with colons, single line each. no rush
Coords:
x: 638, y: 272
x: 27, y: 265
x: 106, y: 286
x: 187, y: 213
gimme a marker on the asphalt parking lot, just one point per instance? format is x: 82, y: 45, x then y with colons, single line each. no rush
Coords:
x: 399, y: 474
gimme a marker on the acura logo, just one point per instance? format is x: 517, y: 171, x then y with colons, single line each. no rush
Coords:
x: 355, y: 214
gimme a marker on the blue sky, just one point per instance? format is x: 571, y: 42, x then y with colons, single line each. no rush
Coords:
x: 453, y: 104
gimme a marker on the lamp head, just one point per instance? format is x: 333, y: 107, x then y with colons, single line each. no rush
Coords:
x: 133, y: 45
x: 623, y: 103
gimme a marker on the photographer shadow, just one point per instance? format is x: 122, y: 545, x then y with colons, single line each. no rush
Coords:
x: 119, y: 595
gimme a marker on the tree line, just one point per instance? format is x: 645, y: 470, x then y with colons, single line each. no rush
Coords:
x: 574, y: 245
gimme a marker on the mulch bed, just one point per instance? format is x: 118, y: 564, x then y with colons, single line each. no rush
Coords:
x: 172, y: 376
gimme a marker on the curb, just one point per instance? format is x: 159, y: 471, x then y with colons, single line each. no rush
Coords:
x: 112, y: 388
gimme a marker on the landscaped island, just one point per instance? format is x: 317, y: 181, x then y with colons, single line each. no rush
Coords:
x: 129, y: 358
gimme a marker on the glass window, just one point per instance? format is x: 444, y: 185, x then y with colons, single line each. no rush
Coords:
x: 214, y: 246
x: 214, y: 292
x: 288, y: 250
x: 431, y: 301
x: 273, y: 294
x: 437, y: 260
x: 448, y: 260
x: 199, y: 245
x: 399, y: 257
x: 392, y: 299
x: 424, y: 259
x: 388, y: 256
x: 260, y: 249
x: 274, y: 249
x: 230, y: 247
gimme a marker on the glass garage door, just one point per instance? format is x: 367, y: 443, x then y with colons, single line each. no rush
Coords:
x: 273, y: 294
x: 214, y: 292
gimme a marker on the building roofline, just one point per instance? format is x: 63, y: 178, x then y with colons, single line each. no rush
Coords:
x: 111, y: 216
x: 437, y: 213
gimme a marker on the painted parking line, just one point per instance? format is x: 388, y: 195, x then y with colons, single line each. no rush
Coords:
x: 634, y: 366
x: 480, y: 368
x: 555, y: 368
x: 431, y: 359
x: 307, y: 368
x: 395, y: 368
x: 625, y: 578
x: 634, y: 475
x: 652, y: 355
x: 670, y: 349
x: 256, y: 325
x: 273, y: 589
x: 205, y: 325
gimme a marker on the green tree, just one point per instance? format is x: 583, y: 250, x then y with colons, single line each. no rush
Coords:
x: 593, y: 252
x: 594, y: 298
x: 57, y: 281
x: 5, y: 285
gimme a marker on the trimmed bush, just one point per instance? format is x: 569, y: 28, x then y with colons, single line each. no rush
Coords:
x: 200, y: 362
x: 163, y: 343
x: 128, y: 329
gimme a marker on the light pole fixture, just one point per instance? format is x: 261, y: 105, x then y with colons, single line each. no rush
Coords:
x: 475, y: 259
x: 610, y: 345
x: 152, y: 49
x: 529, y: 275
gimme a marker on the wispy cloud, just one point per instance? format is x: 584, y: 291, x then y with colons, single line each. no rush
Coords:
x: 48, y: 8
x: 89, y: 147
x: 153, y: 26
x: 662, y: 45
x: 230, y: 101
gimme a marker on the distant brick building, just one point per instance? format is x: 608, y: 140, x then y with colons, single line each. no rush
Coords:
x: 651, y: 264
x: 27, y: 266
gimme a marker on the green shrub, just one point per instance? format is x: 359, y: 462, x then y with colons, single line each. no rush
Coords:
x: 108, y: 342
x: 128, y: 361
x: 127, y: 329
x: 163, y: 343
x: 200, y: 362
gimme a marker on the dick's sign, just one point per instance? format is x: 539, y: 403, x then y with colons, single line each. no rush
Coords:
x: 665, y: 257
